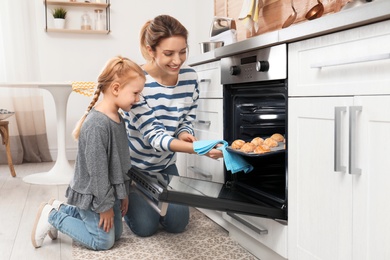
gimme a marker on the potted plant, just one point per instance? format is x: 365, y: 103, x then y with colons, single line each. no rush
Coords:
x: 59, y: 15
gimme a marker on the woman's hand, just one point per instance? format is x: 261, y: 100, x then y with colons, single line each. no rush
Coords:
x: 107, y: 220
x: 186, y: 137
x: 215, y: 154
x: 124, y: 206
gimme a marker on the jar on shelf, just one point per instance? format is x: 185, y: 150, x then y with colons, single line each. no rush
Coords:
x: 99, y: 20
x: 86, y: 22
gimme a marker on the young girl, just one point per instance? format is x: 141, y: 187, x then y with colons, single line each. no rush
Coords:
x: 97, y: 195
x: 161, y: 123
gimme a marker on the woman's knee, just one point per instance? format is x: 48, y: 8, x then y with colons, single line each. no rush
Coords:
x: 177, y: 218
x: 142, y: 219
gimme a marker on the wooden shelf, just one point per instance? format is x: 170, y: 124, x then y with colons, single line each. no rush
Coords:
x: 80, y: 4
x: 77, y: 31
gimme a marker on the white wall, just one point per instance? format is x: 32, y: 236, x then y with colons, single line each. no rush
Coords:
x: 80, y: 57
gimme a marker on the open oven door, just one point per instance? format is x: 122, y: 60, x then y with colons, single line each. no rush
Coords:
x: 201, y: 194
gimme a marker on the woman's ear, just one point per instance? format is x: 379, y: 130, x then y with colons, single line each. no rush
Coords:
x: 150, y: 52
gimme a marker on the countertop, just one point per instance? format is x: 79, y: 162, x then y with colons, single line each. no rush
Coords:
x: 370, y: 12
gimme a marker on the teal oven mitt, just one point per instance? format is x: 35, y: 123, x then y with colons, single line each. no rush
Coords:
x: 233, y: 162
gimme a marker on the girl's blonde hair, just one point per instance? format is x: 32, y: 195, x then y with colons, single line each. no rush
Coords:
x: 158, y: 29
x: 118, y: 69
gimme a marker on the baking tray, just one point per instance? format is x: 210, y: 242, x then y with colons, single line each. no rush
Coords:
x: 274, y: 150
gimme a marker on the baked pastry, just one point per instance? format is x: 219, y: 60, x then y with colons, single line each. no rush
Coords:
x: 248, y: 148
x: 237, y: 144
x: 277, y: 137
x: 262, y: 149
x: 270, y: 142
x: 257, y: 141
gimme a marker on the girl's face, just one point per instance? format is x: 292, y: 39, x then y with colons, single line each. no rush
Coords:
x: 129, y: 93
x: 170, y: 54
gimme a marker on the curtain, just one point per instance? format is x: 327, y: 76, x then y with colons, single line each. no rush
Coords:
x: 19, y: 63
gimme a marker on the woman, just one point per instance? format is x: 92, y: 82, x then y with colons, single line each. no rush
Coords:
x: 160, y: 124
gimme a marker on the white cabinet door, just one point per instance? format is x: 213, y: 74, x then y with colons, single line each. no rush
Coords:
x: 371, y: 193
x: 320, y: 198
x: 339, y: 214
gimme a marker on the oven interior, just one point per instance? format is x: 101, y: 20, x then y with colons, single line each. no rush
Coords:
x: 258, y: 110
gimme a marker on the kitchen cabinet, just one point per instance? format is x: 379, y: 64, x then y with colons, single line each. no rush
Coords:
x: 264, y: 238
x: 207, y: 126
x: 75, y: 11
x: 339, y: 150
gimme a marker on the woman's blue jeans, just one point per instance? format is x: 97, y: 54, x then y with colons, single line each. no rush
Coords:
x: 82, y: 226
x: 144, y: 221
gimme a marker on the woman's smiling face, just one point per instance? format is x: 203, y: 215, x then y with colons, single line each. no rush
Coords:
x: 170, y: 54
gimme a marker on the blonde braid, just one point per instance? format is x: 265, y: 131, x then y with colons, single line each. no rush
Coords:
x: 76, y: 131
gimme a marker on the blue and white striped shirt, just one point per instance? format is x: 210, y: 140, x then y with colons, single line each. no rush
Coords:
x: 161, y: 115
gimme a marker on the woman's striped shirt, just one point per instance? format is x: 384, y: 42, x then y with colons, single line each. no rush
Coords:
x: 161, y: 115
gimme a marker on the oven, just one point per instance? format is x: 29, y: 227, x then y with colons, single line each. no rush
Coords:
x: 254, y: 104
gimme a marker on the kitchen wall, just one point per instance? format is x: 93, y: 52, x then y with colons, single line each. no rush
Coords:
x: 80, y: 57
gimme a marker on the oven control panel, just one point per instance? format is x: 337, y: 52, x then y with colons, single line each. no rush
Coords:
x: 259, y: 65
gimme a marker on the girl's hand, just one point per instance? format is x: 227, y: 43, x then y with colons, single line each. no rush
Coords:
x: 124, y: 206
x: 107, y: 220
x: 186, y: 137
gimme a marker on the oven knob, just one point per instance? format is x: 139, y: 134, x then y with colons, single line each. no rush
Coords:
x: 235, y: 70
x: 262, y: 65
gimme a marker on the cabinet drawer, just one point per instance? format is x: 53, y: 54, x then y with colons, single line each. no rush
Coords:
x: 209, y: 76
x: 266, y: 231
x: 205, y: 168
x: 209, y: 117
x: 351, y: 62
x: 207, y: 126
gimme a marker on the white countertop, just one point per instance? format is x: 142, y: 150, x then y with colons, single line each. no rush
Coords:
x: 370, y: 12
x: 33, y: 84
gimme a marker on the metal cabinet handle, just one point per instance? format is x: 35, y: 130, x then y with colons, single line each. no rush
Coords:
x: 352, y: 139
x: 205, y: 80
x: 350, y: 61
x: 247, y: 224
x: 337, y: 139
x: 198, y: 171
x: 205, y: 122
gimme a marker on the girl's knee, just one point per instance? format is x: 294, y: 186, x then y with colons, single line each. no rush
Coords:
x: 106, y: 244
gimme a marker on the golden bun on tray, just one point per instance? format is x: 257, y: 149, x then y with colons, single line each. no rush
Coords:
x: 277, y: 137
x: 257, y: 141
x: 270, y: 142
x: 237, y: 144
x: 248, y: 148
x: 262, y: 149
